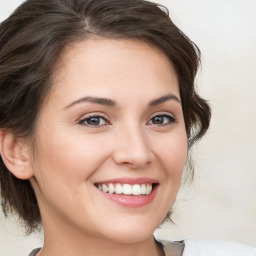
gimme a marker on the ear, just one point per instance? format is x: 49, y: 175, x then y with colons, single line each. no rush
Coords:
x: 15, y: 155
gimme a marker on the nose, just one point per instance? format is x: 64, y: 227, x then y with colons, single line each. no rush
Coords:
x: 132, y: 148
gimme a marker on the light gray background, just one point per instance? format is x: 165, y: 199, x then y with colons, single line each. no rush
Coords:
x: 220, y: 204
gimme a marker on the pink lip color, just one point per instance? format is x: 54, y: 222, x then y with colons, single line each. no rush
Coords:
x: 129, y: 180
x: 131, y: 201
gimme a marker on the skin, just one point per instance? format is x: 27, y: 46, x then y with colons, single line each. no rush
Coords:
x: 71, y: 155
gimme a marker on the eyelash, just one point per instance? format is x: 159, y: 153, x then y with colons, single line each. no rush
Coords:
x: 171, y: 119
x: 84, y: 121
x: 87, y: 118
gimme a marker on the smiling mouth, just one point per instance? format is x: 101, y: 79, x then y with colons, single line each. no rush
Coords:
x: 126, y: 189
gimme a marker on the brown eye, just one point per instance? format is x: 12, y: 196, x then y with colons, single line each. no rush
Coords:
x: 93, y: 121
x: 158, y: 120
x: 162, y: 119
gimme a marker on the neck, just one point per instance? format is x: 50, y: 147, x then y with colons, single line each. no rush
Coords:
x: 98, y: 247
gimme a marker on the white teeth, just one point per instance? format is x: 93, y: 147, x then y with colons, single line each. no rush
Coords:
x: 104, y: 188
x: 136, y: 190
x: 119, y: 189
x: 143, y: 189
x: 111, y: 188
x: 126, y: 189
x: 148, y: 189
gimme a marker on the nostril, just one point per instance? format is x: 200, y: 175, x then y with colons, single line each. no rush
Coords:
x: 135, y: 155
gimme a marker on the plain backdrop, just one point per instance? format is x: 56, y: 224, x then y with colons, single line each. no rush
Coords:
x: 221, y: 202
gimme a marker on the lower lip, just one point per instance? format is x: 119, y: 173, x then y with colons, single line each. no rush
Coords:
x: 131, y: 201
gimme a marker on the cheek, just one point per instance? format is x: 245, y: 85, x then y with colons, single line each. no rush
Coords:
x: 172, y: 152
x: 71, y: 158
x: 62, y: 165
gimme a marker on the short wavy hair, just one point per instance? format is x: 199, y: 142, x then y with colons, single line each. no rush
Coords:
x: 31, y: 41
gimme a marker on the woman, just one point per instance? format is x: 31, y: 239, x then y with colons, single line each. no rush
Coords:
x: 98, y: 111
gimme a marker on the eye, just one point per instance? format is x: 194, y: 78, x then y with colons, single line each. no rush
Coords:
x: 162, y: 119
x: 94, y: 121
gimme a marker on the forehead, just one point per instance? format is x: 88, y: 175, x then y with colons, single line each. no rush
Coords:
x: 102, y: 66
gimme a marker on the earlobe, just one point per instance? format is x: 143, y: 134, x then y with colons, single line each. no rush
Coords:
x: 15, y: 155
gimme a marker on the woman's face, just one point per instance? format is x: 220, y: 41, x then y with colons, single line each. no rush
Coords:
x: 111, y: 130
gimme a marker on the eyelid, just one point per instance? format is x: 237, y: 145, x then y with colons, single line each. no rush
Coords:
x: 167, y: 114
x: 82, y: 120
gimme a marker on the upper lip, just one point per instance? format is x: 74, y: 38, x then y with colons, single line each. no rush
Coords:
x: 129, y: 180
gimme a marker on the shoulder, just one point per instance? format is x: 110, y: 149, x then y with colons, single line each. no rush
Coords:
x: 34, y: 252
x: 194, y: 247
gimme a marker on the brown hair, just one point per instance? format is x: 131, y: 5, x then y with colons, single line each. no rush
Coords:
x: 31, y: 41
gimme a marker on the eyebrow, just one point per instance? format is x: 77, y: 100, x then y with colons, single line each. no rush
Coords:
x: 164, y: 99
x: 111, y: 103
x: 101, y: 101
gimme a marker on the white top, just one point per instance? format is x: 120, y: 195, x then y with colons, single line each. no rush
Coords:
x: 195, y: 247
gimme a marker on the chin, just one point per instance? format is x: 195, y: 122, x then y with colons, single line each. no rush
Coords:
x: 132, y: 230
